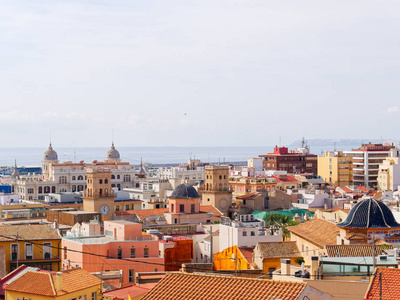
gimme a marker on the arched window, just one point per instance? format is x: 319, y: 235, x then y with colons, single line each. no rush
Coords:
x: 106, y: 181
x: 112, y: 176
x: 40, y: 190
x: 46, y: 189
x: 62, y: 179
x: 73, y: 178
x: 80, y: 188
x: 80, y: 177
x: 127, y: 178
x: 118, y: 177
x: 74, y: 188
x: 220, y: 187
x: 53, y: 189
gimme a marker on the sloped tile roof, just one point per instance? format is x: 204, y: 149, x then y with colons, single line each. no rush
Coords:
x: 28, y: 232
x: 123, y: 293
x: 185, y: 286
x: 353, y: 250
x: 317, y: 231
x: 278, y: 249
x: 247, y: 253
x: 43, y: 284
x: 390, y: 285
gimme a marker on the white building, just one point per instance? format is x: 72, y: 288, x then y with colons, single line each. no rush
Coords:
x: 246, y: 232
x: 366, y: 161
x: 69, y: 177
x: 191, y: 173
x: 6, y: 199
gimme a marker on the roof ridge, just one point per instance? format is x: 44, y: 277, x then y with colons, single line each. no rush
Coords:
x: 52, y: 285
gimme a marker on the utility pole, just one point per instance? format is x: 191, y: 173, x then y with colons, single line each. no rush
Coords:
x: 211, y: 246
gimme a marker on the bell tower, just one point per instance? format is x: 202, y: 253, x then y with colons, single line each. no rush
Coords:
x: 216, y: 188
x: 99, y: 196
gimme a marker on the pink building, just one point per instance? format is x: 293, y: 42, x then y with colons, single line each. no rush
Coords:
x: 121, y: 245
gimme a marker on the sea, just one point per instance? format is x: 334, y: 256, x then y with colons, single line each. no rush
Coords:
x: 157, y: 156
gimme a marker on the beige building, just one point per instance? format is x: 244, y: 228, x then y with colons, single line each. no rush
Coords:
x: 216, y: 190
x: 335, y: 168
x: 389, y: 172
x: 69, y: 176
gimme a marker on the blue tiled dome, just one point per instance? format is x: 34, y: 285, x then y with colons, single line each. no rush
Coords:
x: 370, y: 213
x: 184, y: 191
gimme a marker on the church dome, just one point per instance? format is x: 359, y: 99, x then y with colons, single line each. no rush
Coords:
x: 369, y: 213
x: 50, y: 154
x: 113, y: 153
x: 15, y: 174
x: 184, y: 191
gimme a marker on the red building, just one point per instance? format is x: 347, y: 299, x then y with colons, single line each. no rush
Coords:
x: 290, y: 161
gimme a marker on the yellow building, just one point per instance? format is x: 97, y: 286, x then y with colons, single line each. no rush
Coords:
x: 335, y: 168
x: 389, y: 172
x: 226, y: 259
x: 68, y: 285
x: 31, y: 245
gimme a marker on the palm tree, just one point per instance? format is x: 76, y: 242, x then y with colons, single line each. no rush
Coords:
x: 276, y: 220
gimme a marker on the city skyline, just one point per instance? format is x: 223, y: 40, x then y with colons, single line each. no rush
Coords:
x: 179, y: 73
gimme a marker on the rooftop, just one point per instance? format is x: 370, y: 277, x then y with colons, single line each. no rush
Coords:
x: 43, y: 284
x: 353, y: 250
x: 317, y: 231
x: 210, y: 287
x: 390, y: 282
x: 28, y: 232
x: 278, y: 249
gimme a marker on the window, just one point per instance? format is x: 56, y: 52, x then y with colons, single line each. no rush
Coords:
x: 181, y: 207
x: 46, y: 250
x: 28, y: 251
x: 146, y: 252
x: 65, y: 252
x: 106, y: 181
x: 133, y: 252
x: 192, y: 208
x: 244, y: 233
x: 119, y: 253
x: 100, y: 181
x: 14, y: 251
x: 94, y: 296
x: 131, y: 276
x: 127, y: 207
x: 62, y: 179
x: 252, y: 233
x: 117, y: 208
x: 30, y: 191
x: 127, y: 178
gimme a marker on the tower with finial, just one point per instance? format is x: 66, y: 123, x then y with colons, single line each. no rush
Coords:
x: 50, y: 157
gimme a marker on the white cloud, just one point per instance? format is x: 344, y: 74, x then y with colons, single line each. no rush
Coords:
x: 393, y: 109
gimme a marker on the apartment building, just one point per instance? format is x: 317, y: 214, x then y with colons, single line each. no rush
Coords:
x: 335, y: 168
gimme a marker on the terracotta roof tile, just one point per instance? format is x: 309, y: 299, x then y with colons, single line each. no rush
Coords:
x: 123, y: 293
x: 247, y: 253
x: 317, y: 231
x: 390, y: 285
x: 210, y: 287
x: 278, y: 249
x: 43, y: 284
x: 29, y: 232
x: 353, y: 250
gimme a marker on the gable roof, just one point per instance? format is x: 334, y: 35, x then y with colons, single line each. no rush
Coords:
x: 43, y: 284
x: 28, y: 232
x: 390, y: 284
x: 209, y: 287
x: 353, y: 250
x: 278, y: 249
x: 317, y: 231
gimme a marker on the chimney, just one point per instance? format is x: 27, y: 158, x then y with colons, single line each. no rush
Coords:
x: 285, y: 266
x: 59, y: 281
x: 314, y: 266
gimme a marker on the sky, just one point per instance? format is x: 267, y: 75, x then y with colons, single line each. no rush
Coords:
x: 197, y: 73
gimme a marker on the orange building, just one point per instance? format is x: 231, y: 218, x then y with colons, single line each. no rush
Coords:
x: 122, y: 246
x: 244, y: 185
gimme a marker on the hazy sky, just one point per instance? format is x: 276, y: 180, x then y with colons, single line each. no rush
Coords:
x: 194, y: 73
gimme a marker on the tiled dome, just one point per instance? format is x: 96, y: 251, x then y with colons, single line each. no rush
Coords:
x: 184, y: 191
x: 50, y: 154
x: 369, y: 213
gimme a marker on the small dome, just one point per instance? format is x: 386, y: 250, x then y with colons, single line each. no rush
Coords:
x: 50, y: 154
x: 369, y: 213
x: 113, y: 153
x: 15, y: 174
x: 184, y: 191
